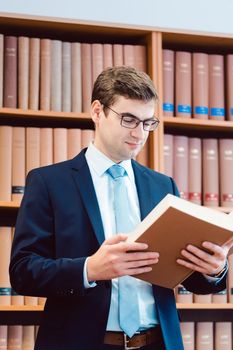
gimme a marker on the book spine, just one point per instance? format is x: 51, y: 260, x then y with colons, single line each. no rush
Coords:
x: 200, y: 85
x: 56, y: 75
x: 23, y: 72
x: 188, y: 335
x: 59, y: 144
x: 223, y: 336
x: 18, y: 163
x: 195, y: 170
x: 97, y: 61
x: 220, y: 297
x: 15, y: 337
x: 5, y: 250
x: 76, y: 78
x: 168, y: 154
x: 204, y: 336
x: 226, y: 172
x: 229, y: 84
x: 87, y: 136
x: 66, y: 77
x: 183, y: 84
x: 140, y: 58
x: 128, y: 55
x: 210, y: 173
x: 32, y: 148
x: 143, y: 156
x: 202, y: 299
x: 10, y: 72
x: 34, y: 73
x: 183, y: 295
x: 28, y: 338
x: 45, y: 75
x: 108, y: 55
x: 5, y: 162
x: 1, y: 68
x: 216, y: 87
x: 168, y: 82
x: 86, y: 64
x: 73, y: 142
x: 3, y: 337
x: 180, y: 157
x: 118, y: 56
x: 46, y: 146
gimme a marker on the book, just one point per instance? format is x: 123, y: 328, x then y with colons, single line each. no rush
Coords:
x: 45, y: 74
x: 188, y: 335
x: 66, y: 77
x: 180, y: 164
x: 226, y: 172
x: 229, y: 86
x: 34, y: 73
x: 1, y: 68
x: 216, y: 87
x: 168, y: 82
x: 76, y: 78
x: 204, y: 336
x: 178, y: 222
x: 194, y: 170
x: 223, y: 335
x: 168, y: 154
x: 10, y: 72
x: 23, y: 72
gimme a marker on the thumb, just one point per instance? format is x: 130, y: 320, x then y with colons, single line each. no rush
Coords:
x: 115, y: 239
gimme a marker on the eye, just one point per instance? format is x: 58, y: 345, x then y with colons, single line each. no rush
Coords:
x: 128, y: 119
x: 149, y: 122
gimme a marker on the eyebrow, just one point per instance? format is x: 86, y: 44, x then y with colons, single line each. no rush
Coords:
x: 134, y: 116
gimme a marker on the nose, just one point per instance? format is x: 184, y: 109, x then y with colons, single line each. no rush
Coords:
x: 139, y: 132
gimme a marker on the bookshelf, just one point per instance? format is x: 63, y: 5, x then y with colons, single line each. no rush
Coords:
x: 154, y: 40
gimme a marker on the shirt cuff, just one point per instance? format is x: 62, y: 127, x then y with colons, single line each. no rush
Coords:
x: 85, y: 280
x: 219, y: 276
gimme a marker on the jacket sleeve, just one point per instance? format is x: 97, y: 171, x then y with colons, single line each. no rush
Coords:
x: 34, y: 268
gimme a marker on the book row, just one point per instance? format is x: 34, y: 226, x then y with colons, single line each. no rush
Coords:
x: 202, y: 168
x: 17, y: 337
x: 23, y: 149
x: 207, y: 335
x: 55, y: 75
x: 197, y: 85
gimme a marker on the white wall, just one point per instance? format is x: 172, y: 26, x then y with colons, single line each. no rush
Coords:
x: 197, y: 15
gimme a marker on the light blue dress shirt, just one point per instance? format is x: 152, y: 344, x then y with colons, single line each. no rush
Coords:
x: 98, y: 164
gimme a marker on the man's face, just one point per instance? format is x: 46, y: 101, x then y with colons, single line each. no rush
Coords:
x: 115, y: 141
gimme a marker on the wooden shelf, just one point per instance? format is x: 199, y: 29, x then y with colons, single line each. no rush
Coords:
x: 205, y: 306
x: 16, y: 116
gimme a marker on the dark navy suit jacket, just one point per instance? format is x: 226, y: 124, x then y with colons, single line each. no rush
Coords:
x: 58, y: 226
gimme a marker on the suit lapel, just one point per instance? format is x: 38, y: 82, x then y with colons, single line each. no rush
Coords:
x: 84, y: 183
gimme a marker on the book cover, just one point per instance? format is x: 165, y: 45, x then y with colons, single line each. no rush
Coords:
x: 200, y: 85
x: 168, y: 82
x: 178, y: 222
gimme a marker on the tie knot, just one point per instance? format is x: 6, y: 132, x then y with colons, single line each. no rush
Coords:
x: 116, y: 171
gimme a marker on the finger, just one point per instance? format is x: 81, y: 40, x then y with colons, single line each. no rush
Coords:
x: 191, y: 266
x: 140, y: 263
x: 214, y: 248
x: 137, y: 271
x: 200, y: 258
x: 229, y: 244
x: 141, y: 256
x: 115, y: 239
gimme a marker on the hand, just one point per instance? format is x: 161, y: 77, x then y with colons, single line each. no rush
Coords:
x: 207, y: 263
x: 117, y: 258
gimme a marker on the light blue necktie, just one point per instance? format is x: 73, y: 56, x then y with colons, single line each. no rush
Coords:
x: 129, y: 318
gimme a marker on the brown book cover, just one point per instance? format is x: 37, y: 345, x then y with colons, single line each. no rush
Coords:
x: 87, y: 135
x: 32, y: 148
x: 195, y: 170
x: 168, y: 154
x: 97, y: 61
x: 10, y: 72
x: 118, y: 56
x: 28, y: 340
x: 108, y: 55
x: 3, y: 337
x: 229, y: 86
x: 204, y: 336
x: 18, y: 163
x: 183, y: 295
x: 129, y: 55
x: 179, y: 222
x: 226, y: 172
x: 168, y: 82
x: 15, y: 337
x: 73, y: 142
x: 66, y: 77
x: 87, y: 81
x: 188, y: 335
x: 223, y: 336
x: 140, y: 57
x: 46, y: 146
x: 23, y: 72
x: 5, y: 162
x: 200, y: 85
x: 5, y: 251
x: 210, y: 168
x: 59, y: 144
x: 183, y: 72
x: 202, y: 299
x: 76, y: 78
x: 180, y: 164
x: 34, y: 73
x: 45, y: 74
x: 1, y: 68
x: 216, y: 87
x: 56, y: 75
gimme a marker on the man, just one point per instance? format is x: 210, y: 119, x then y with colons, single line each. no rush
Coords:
x: 70, y: 242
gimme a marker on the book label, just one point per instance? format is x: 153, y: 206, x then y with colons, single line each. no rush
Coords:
x: 201, y: 110
x: 231, y: 110
x: 211, y: 197
x: 217, y: 112
x: 17, y: 189
x: 168, y: 107
x: 184, y: 109
x: 5, y: 291
x: 227, y: 197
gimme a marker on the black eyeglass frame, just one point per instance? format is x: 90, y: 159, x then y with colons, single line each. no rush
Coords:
x: 151, y: 127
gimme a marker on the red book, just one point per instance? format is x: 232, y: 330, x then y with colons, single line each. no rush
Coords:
x: 204, y: 336
x: 86, y: 59
x: 59, y: 144
x: 168, y: 154
x: 10, y: 72
x: 34, y: 73
x: 108, y: 55
x: 66, y: 77
x: 188, y: 335
x: 140, y: 57
x: 56, y: 75
x: 210, y: 168
x: 200, y: 85
x: 18, y: 163
x: 46, y: 146
x: 216, y: 87
x: 168, y: 83
x: 183, y: 84
x: 229, y: 86
x: 23, y: 72
x: 195, y: 170
x: 223, y: 336
x: 118, y: 59
x: 180, y: 158
x: 97, y: 61
x: 129, y: 56
x: 73, y: 142
x: 226, y: 172
x: 76, y: 78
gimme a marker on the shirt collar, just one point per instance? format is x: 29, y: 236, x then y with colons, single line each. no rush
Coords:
x: 100, y: 163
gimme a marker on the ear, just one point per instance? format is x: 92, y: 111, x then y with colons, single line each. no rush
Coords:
x: 96, y: 109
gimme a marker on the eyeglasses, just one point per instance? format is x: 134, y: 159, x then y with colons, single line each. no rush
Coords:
x: 131, y: 122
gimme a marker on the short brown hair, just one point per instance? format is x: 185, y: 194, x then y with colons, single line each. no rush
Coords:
x: 123, y: 81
